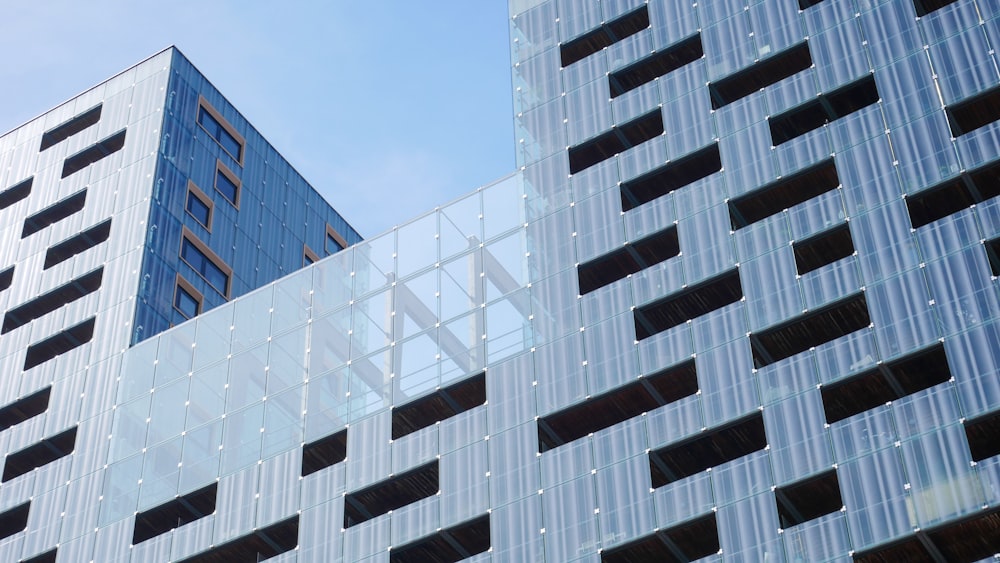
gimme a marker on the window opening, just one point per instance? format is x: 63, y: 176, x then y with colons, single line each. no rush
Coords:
x: 324, y: 452
x: 984, y: 436
x: 199, y: 206
x: 187, y: 299
x: 969, y: 539
x: 886, y: 382
x: 24, y: 408
x: 759, y: 75
x: 692, y: 302
x: 40, y: 454
x: 66, y: 130
x: 94, y: 153
x: 924, y: 7
x: 810, y: 329
x: 54, y: 213
x: 14, y: 520
x: 439, y: 405
x: 633, y: 257
x: 671, y: 176
x: 76, y: 244
x: 656, y: 65
x: 823, y: 249
x: 334, y: 241
x: 397, y: 492
x: 954, y: 195
x: 450, y: 545
x: 608, y: 34
x: 629, y: 401
x: 685, y: 542
x: 16, y: 193
x: 220, y: 130
x: 808, y: 499
x: 227, y: 184
x: 47, y: 557
x: 175, y: 513
x: 709, y: 449
x: 60, y: 343
x: 822, y: 110
x: 6, y: 278
x: 53, y: 300
x: 203, y: 261
x: 262, y: 544
x: 773, y: 198
x: 617, y: 140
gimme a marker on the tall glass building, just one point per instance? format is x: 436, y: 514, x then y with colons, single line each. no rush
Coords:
x: 738, y: 303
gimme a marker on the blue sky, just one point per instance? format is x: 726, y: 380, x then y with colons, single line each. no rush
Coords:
x: 388, y: 108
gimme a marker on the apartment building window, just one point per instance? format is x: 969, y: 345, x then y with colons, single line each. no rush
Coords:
x: 187, y: 299
x: 308, y: 255
x: 199, y: 206
x: 219, y: 129
x: 227, y: 184
x: 335, y: 242
x: 209, y: 266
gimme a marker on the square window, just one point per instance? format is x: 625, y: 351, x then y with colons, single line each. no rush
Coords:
x: 186, y: 303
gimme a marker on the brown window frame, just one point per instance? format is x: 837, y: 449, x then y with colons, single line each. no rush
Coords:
x: 337, y: 237
x: 212, y: 256
x: 308, y: 256
x: 194, y: 190
x: 203, y: 103
x: 220, y: 167
x: 180, y: 283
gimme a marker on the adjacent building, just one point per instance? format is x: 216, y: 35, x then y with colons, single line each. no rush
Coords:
x: 738, y: 303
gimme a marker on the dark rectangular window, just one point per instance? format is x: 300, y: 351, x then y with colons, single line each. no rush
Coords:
x: 822, y: 110
x: 671, y: 176
x: 227, y: 184
x: 60, y: 343
x: 173, y: 514
x: 54, y: 213
x: 617, y: 140
x: 924, y: 7
x: 695, y: 301
x: 187, y: 299
x: 759, y: 75
x: 334, y: 241
x: 810, y: 329
x: 438, y: 406
x: 16, y: 193
x: 450, y: 545
x: 803, y: 4
x: 40, y: 454
x: 6, y: 278
x: 608, y: 34
x: 629, y: 401
x: 72, y: 127
x: 199, y: 206
x: 209, y: 267
x: 954, y: 195
x: 708, y: 449
x: 975, y: 538
x: 984, y: 436
x: 887, y: 382
x: 325, y: 452
x: 808, y: 499
x: 94, y: 153
x: 47, y: 557
x: 974, y: 112
x: 822, y: 249
x: 656, y: 65
x: 220, y: 130
x: 25, y: 408
x: 262, y: 544
x: 689, y: 541
x: 49, y: 302
x: 631, y: 258
x: 76, y: 244
x: 799, y: 187
x: 397, y: 492
x: 14, y: 520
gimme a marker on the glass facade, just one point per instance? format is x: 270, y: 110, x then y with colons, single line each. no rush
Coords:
x: 738, y: 303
